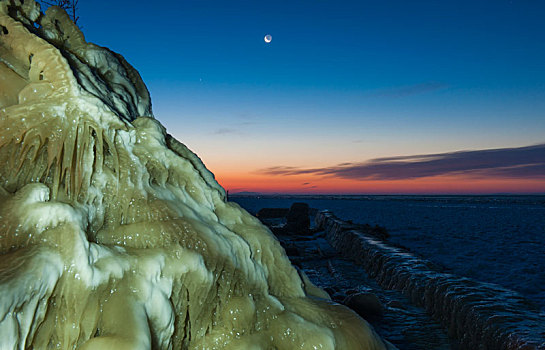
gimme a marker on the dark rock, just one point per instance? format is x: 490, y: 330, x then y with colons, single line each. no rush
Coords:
x: 291, y: 250
x: 274, y: 222
x: 338, y: 297
x: 367, y: 305
x: 277, y: 230
x: 329, y: 291
x: 298, y: 220
x: 270, y: 213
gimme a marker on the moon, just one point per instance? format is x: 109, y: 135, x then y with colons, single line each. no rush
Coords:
x: 268, y: 38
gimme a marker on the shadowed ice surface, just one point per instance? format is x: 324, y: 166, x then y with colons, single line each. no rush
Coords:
x: 496, y: 239
x: 494, y: 249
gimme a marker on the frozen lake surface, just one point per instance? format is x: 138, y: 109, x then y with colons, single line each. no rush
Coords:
x: 496, y: 239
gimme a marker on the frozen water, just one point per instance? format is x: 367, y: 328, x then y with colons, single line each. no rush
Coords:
x: 496, y: 239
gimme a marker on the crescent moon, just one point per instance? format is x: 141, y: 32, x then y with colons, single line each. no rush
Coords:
x: 268, y: 38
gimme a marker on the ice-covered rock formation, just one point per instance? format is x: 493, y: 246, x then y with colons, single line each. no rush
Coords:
x: 113, y: 235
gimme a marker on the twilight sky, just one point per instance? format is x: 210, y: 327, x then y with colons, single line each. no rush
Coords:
x: 350, y: 96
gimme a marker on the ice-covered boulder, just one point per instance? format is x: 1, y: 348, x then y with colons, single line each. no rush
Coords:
x: 114, y: 235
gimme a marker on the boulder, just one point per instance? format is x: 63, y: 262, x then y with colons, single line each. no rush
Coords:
x: 298, y: 220
x: 365, y: 304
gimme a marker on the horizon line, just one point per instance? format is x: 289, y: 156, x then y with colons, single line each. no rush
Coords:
x: 249, y: 194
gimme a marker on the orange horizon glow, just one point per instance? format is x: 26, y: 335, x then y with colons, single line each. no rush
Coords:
x: 515, y: 170
x: 314, y: 184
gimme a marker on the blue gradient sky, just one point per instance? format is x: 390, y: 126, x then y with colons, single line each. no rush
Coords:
x: 341, y: 81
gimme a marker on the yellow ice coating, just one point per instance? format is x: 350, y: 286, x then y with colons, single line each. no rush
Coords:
x: 114, y: 235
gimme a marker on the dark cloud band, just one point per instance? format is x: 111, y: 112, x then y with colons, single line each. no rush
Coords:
x: 522, y: 162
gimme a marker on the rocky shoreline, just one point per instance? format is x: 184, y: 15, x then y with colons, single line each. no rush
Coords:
x: 407, y: 299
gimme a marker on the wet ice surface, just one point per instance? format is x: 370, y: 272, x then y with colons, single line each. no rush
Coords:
x: 497, y: 239
x: 404, y: 325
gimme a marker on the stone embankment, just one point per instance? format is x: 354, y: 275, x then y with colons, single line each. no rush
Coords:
x: 479, y: 315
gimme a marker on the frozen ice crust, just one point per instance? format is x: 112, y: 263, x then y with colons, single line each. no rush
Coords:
x: 114, y: 235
